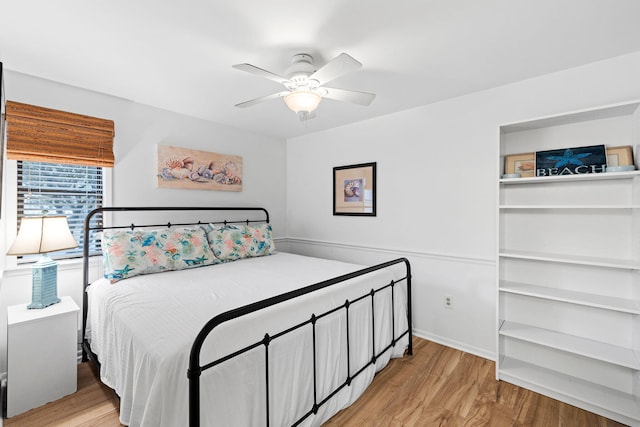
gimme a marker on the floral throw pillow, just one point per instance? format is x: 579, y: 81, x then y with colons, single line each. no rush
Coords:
x: 129, y: 253
x: 232, y: 242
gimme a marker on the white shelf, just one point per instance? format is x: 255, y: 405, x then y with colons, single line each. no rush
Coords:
x: 576, y: 217
x: 572, y: 297
x: 571, y: 259
x: 615, y: 110
x: 572, y: 344
x: 603, y: 400
x: 568, y: 178
x: 581, y: 207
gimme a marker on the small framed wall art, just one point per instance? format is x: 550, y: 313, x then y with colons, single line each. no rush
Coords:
x: 619, y: 156
x: 354, y: 190
x: 524, y: 164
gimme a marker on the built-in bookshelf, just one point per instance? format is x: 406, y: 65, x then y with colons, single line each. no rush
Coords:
x: 568, y: 291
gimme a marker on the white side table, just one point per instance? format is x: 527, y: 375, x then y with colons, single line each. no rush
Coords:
x: 42, y: 352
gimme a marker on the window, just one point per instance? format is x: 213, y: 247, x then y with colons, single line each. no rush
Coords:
x: 61, y: 159
x: 60, y: 189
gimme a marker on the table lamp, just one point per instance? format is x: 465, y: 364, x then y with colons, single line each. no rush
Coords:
x: 40, y: 235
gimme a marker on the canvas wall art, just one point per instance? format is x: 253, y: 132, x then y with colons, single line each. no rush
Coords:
x: 189, y: 169
x: 571, y: 161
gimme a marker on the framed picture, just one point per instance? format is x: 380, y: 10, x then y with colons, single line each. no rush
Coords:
x: 524, y: 164
x: 188, y: 169
x: 619, y: 156
x: 354, y: 190
x: 571, y: 161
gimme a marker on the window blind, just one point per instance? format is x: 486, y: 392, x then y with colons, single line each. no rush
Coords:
x: 61, y: 189
x: 54, y: 136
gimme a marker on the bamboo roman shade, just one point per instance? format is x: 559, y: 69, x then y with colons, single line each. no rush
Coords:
x: 47, y: 135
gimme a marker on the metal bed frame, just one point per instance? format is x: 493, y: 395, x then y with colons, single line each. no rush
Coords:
x: 196, y: 368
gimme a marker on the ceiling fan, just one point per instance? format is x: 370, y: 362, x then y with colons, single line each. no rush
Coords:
x: 306, y: 86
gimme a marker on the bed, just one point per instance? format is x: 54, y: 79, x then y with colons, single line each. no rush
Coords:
x: 257, y: 338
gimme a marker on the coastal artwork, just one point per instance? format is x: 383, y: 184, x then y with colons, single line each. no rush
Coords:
x: 354, y: 190
x: 571, y: 161
x: 188, y: 169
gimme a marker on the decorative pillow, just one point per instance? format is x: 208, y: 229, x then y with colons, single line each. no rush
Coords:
x: 232, y: 242
x: 129, y: 253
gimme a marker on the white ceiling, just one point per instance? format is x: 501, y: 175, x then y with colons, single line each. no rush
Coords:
x: 177, y: 55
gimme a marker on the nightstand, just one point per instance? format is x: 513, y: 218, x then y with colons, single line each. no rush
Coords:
x: 42, y: 354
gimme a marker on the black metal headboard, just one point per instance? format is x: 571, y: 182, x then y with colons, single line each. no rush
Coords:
x: 120, y: 218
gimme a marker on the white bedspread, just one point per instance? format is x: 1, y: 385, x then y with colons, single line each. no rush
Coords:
x: 142, y: 330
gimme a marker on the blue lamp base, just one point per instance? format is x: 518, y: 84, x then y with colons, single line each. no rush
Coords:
x: 44, y: 288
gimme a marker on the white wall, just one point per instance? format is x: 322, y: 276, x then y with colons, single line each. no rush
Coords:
x: 138, y: 130
x: 436, y: 194
x: 437, y: 170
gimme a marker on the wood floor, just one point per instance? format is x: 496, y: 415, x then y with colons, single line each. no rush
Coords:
x: 437, y: 386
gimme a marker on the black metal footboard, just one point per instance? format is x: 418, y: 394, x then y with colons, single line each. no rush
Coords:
x: 195, y: 368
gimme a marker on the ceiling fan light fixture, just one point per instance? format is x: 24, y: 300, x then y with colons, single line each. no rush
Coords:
x: 302, y: 101
x: 305, y: 85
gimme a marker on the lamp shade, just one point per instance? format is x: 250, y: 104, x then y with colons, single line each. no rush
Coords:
x: 302, y: 101
x: 42, y: 234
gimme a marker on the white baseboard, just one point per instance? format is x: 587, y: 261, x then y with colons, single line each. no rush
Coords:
x: 455, y: 344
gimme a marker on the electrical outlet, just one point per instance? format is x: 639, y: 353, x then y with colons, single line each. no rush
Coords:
x: 448, y: 302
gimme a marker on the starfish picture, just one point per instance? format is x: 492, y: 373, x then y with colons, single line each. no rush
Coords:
x: 568, y: 158
x: 570, y: 161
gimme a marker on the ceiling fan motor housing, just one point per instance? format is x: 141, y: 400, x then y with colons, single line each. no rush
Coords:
x: 300, y: 69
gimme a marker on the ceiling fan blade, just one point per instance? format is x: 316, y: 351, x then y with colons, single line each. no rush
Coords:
x: 355, y: 97
x: 252, y: 69
x: 261, y: 99
x: 333, y: 69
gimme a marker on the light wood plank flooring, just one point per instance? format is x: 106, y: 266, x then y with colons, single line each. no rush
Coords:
x: 437, y: 386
